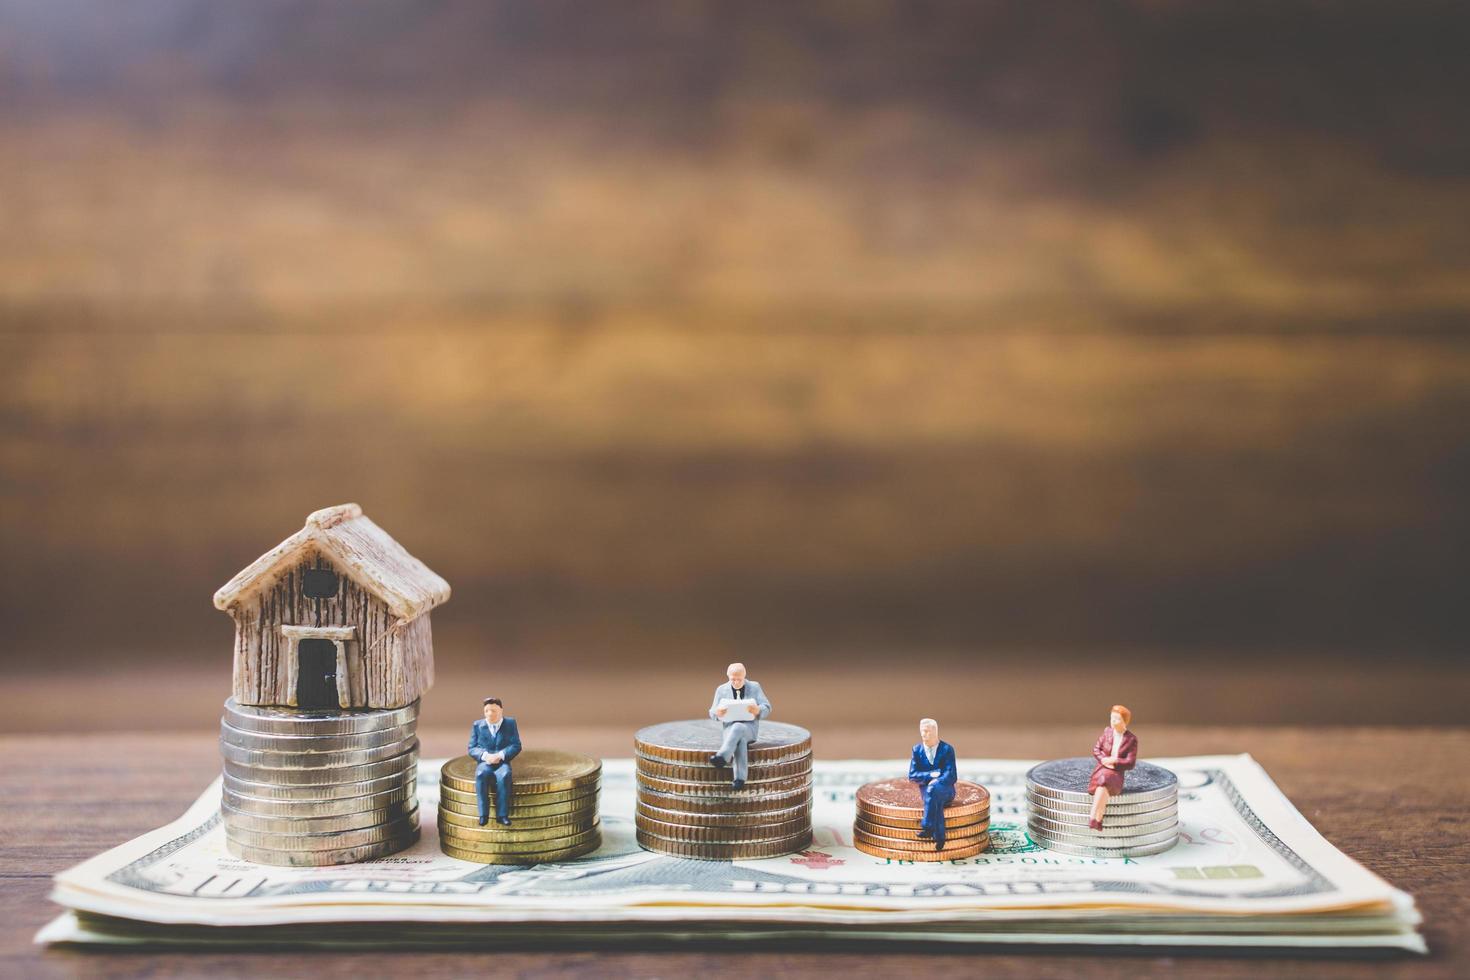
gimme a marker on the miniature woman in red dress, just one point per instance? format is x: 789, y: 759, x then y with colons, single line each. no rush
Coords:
x: 1116, y: 752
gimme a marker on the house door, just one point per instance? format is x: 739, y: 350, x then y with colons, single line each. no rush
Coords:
x: 316, y: 673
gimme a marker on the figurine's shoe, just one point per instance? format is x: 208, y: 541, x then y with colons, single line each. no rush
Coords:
x: 484, y: 821
x: 925, y: 834
x: 737, y: 784
x: 503, y: 821
x: 717, y: 762
x: 1095, y: 824
x: 939, y: 845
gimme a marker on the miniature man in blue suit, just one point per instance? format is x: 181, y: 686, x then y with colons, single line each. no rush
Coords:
x: 493, y: 743
x: 933, y: 767
x: 742, y: 724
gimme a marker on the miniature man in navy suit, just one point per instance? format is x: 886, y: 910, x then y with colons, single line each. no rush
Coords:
x: 493, y: 743
x: 933, y: 767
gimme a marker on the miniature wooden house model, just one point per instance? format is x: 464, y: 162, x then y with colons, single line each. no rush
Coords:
x: 335, y: 616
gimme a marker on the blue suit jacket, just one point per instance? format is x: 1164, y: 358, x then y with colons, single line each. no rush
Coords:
x: 944, y: 763
x: 506, y: 739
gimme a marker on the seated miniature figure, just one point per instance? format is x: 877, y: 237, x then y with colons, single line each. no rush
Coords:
x: 493, y: 743
x: 739, y: 705
x: 1116, y: 752
x: 932, y: 765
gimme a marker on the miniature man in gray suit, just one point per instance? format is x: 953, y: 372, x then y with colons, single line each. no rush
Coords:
x: 739, y: 731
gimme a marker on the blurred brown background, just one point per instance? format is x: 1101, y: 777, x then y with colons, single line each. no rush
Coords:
x: 1000, y: 360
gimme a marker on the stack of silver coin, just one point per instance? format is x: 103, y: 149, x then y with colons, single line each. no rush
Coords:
x: 304, y: 788
x: 1142, y: 820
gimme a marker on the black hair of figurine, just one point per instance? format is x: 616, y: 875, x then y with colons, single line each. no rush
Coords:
x: 492, y: 701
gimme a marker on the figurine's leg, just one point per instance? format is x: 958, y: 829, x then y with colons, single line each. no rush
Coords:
x: 483, y: 775
x: 1099, y: 804
x: 740, y: 761
x: 935, y: 797
x: 503, y: 790
x: 727, y: 744
x: 732, y: 749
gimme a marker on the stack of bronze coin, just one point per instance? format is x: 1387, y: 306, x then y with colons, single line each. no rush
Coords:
x: 1142, y: 820
x: 890, y: 815
x: 553, y: 811
x: 689, y: 808
x: 303, y: 788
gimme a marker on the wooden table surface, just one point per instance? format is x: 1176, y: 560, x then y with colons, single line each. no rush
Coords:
x: 1395, y: 799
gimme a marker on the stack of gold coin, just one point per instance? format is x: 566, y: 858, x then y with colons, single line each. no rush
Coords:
x: 304, y: 788
x: 1142, y: 820
x: 688, y: 807
x: 553, y: 811
x: 890, y: 815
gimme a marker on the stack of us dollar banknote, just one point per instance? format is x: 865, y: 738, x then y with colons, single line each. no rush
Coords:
x: 1247, y: 871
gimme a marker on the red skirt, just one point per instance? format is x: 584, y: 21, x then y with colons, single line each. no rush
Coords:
x: 1109, y: 779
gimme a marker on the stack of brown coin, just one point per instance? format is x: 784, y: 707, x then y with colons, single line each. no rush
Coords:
x: 890, y: 815
x: 688, y: 807
x: 308, y: 788
x: 553, y: 812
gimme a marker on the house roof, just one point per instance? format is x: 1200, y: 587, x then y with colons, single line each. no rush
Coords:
x: 360, y: 549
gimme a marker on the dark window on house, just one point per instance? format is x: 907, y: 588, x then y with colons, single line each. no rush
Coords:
x: 319, y: 583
